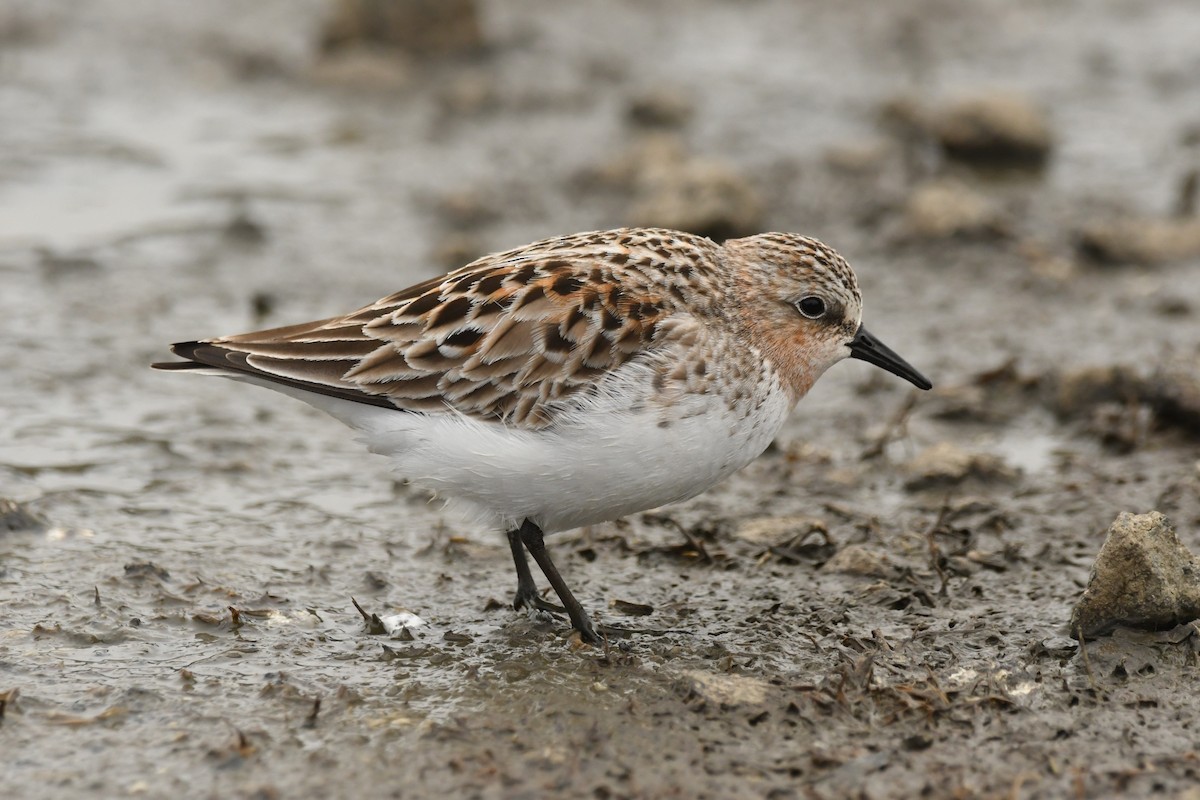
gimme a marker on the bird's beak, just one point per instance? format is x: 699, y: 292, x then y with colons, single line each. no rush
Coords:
x: 869, y: 349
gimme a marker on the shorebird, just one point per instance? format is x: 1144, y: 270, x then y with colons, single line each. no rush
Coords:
x: 576, y: 379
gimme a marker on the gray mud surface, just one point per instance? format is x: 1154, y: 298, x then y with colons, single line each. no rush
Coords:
x: 854, y: 615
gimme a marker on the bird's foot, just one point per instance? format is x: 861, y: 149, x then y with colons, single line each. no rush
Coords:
x: 530, y: 599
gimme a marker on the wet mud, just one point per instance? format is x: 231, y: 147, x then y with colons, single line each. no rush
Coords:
x: 878, y: 607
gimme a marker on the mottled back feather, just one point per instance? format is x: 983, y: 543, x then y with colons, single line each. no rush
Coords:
x: 506, y: 337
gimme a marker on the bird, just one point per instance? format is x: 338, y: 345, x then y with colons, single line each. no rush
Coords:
x: 574, y: 380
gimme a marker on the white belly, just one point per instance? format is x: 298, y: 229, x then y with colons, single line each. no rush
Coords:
x: 602, y: 462
x: 620, y: 452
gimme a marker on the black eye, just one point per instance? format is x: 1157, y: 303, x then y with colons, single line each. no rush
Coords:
x: 812, y: 307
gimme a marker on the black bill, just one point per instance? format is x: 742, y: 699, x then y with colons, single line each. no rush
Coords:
x: 869, y: 349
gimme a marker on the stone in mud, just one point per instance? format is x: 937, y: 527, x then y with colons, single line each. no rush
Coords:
x: 673, y: 188
x: 727, y: 689
x: 947, y: 464
x: 854, y: 559
x: 1076, y: 392
x: 1173, y: 391
x: 1143, y: 577
x: 944, y: 209
x: 771, y: 531
x: 1139, y: 240
x: 702, y: 196
x: 994, y: 129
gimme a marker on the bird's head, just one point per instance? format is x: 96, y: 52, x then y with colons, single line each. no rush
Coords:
x: 799, y: 301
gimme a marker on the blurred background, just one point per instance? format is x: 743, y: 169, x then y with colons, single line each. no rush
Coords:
x: 1015, y: 182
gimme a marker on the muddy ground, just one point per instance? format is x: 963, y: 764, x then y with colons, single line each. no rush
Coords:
x: 876, y: 608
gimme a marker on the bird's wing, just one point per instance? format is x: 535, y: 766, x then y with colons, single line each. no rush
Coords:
x: 505, y: 337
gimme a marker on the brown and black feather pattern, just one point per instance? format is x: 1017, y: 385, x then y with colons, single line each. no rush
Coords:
x: 504, y: 337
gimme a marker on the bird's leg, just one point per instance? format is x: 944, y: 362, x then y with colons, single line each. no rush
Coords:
x: 527, y: 595
x: 531, y: 536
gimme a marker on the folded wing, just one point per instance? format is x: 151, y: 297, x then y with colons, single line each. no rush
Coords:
x: 505, y: 337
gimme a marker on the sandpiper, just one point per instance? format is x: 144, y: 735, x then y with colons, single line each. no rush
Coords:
x: 576, y: 379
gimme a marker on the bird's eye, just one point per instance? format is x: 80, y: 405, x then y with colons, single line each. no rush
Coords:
x: 812, y: 307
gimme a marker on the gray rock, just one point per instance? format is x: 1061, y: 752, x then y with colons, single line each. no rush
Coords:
x: 1139, y: 240
x: 699, y: 195
x: 945, y: 208
x: 854, y: 559
x: 994, y: 128
x: 1142, y: 578
x: 670, y: 187
x: 727, y: 689
x: 947, y: 464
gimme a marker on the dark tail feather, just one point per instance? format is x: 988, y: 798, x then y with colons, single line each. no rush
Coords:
x: 199, y: 355
x: 203, y: 355
x: 178, y: 366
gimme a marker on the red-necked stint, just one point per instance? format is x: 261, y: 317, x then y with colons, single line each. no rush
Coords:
x: 576, y: 379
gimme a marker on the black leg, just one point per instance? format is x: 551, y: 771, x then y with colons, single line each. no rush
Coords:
x: 531, y: 536
x: 527, y: 595
x: 526, y: 588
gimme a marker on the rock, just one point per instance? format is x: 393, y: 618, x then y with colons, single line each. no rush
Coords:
x: 661, y: 108
x: 1136, y: 240
x: 1173, y: 391
x: 994, y: 129
x: 727, y: 689
x: 1171, y: 394
x: 961, y: 401
x: 854, y: 559
x: 773, y: 531
x: 672, y: 188
x: 1076, y: 392
x: 944, y: 208
x: 421, y: 27
x: 1143, y: 577
x: 701, y: 196
x: 1106, y: 400
x: 946, y: 464
x: 996, y: 394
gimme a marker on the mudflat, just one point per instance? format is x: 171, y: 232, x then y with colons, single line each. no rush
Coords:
x: 878, y: 607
